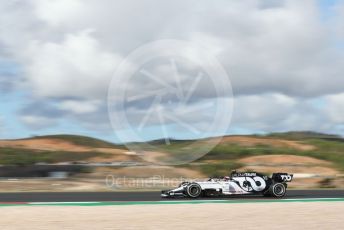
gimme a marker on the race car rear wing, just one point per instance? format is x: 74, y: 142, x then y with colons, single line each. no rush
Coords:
x: 282, y: 177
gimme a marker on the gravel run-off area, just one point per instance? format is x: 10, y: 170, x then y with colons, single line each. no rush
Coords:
x: 298, y: 215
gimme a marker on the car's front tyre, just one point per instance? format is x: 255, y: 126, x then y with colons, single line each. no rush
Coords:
x: 194, y: 190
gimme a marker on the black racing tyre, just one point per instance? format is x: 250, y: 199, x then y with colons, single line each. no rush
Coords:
x: 194, y: 190
x: 277, y: 190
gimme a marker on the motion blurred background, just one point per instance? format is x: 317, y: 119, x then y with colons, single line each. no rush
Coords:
x: 285, y: 60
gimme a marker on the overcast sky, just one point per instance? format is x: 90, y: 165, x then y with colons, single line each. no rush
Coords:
x: 285, y: 61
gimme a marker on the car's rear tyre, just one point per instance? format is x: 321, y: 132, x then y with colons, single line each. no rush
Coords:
x: 194, y: 190
x: 277, y: 190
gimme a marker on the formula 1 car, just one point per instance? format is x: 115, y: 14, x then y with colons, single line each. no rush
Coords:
x: 235, y: 184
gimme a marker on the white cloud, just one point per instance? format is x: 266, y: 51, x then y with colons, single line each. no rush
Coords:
x: 273, y: 48
x: 37, y: 122
x: 55, y: 12
x: 262, y: 112
x: 334, y: 106
x: 261, y: 107
x: 76, y: 67
x: 276, y: 112
x: 278, y: 55
x: 79, y: 107
x: 339, y: 20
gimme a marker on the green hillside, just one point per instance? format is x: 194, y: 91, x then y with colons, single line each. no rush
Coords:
x: 304, y: 135
x: 18, y: 156
x: 80, y: 140
x: 218, y: 161
x: 225, y: 155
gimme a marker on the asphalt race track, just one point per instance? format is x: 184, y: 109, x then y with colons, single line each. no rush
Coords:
x: 145, y: 196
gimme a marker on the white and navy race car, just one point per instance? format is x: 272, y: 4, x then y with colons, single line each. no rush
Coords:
x: 235, y: 184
